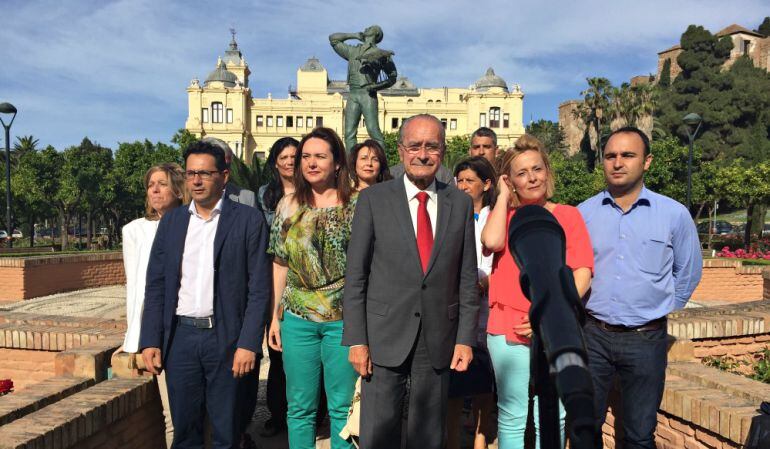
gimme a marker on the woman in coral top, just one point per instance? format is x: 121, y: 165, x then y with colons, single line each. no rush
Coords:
x: 526, y: 178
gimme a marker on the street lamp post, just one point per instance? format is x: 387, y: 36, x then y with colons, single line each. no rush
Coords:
x: 8, y: 108
x: 693, y: 121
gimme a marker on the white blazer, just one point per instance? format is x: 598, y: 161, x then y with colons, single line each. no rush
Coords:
x: 484, y: 264
x: 137, y: 243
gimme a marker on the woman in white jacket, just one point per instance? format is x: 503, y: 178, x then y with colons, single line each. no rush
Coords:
x: 165, y: 188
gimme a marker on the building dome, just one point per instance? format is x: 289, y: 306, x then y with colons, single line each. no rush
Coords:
x: 222, y: 75
x: 312, y: 65
x: 490, y: 80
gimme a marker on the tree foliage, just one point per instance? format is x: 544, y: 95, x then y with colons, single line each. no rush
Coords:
x: 665, y: 75
x: 550, y: 133
x: 764, y: 27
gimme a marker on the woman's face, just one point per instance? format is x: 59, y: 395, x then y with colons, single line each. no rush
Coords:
x: 469, y: 182
x: 528, y: 176
x: 317, y: 163
x: 160, y: 194
x: 285, y: 161
x: 367, y: 167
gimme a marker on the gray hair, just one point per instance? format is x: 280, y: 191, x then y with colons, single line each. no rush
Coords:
x: 442, y: 131
x: 221, y: 144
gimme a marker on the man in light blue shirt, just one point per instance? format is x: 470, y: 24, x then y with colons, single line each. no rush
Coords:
x: 647, y: 263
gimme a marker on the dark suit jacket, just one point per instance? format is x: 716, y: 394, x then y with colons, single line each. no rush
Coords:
x: 386, y: 293
x: 242, y: 279
x: 241, y: 195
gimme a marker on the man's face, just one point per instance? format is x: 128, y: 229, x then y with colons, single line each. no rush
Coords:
x: 421, y: 150
x: 207, y: 185
x: 624, y: 161
x: 483, y: 146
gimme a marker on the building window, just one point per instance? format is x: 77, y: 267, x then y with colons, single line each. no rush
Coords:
x: 269, y: 121
x: 409, y: 101
x: 279, y: 121
x: 216, y: 112
x: 394, y: 122
x: 300, y: 122
x: 319, y: 122
x: 506, y: 120
x: 494, y: 117
x: 229, y: 115
x: 260, y: 121
x: 205, y: 115
x: 746, y: 47
x: 430, y: 101
x: 309, y: 122
x: 289, y: 121
x: 443, y: 122
x: 238, y: 149
x: 438, y: 101
x: 453, y: 123
x: 482, y: 119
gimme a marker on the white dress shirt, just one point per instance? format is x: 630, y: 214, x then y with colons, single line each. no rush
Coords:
x: 196, y: 288
x: 137, y: 243
x: 414, y: 203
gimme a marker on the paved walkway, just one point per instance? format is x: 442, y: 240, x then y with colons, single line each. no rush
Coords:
x: 109, y: 302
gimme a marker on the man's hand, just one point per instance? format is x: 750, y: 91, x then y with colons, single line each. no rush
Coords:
x: 274, y: 335
x: 244, y: 362
x: 359, y: 358
x: 461, y: 358
x: 152, y: 360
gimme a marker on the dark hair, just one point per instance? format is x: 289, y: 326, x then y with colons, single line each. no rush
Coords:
x: 634, y: 130
x: 375, y: 146
x: 274, y: 191
x: 303, y: 192
x: 485, y: 132
x: 485, y: 171
x: 204, y: 147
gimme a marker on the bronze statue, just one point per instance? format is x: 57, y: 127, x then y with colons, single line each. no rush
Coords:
x: 370, y: 69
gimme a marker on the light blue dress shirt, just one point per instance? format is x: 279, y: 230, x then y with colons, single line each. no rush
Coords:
x: 647, y: 260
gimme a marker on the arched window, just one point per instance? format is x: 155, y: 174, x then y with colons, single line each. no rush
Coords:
x: 494, y: 117
x: 216, y: 112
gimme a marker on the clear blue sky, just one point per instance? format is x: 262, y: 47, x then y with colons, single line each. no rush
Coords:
x: 117, y: 70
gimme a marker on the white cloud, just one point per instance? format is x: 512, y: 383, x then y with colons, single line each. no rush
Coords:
x: 117, y: 70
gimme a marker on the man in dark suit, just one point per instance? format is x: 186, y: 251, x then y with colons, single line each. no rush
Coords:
x: 410, y: 293
x: 208, y: 283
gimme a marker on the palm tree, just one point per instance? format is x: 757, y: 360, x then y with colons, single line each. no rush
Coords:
x: 596, y: 103
x: 23, y: 145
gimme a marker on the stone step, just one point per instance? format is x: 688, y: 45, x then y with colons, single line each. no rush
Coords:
x: 50, y: 338
x: 733, y: 384
x: 18, y: 404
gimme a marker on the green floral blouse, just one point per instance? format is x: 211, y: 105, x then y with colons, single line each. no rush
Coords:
x: 313, y: 243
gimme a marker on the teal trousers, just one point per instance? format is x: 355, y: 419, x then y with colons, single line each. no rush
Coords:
x: 511, y: 364
x: 310, y: 348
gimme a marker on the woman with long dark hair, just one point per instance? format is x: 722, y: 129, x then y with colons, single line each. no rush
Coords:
x: 280, y: 160
x: 308, y: 239
x: 368, y: 164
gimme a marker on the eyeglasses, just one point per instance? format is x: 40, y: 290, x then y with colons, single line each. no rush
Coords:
x: 430, y: 147
x: 204, y: 174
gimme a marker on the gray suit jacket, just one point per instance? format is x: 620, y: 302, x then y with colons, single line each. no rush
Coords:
x: 387, y: 297
x: 242, y: 196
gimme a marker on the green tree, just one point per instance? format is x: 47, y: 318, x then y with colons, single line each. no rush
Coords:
x: 745, y: 186
x: 23, y: 145
x: 665, y: 75
x: 35, y: 181
x: 764, y: 27
x: 391, y: 148
x: 574, y: 183
x: 88, y: 166
x: 456, y: 150
x: 596, y: 101
x: 550, y: 133
x: 182, y: 139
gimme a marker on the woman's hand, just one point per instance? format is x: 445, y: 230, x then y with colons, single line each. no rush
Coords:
x: 274, y: 335
x: 524, y: 329
x: 504, y: 190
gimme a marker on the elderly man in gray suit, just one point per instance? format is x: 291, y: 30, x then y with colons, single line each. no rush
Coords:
x: 410, y: 297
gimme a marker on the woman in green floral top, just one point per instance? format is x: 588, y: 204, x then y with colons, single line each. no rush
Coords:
x: 309, y: 238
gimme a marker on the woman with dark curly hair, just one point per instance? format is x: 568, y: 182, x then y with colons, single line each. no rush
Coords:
x: 368, y: 165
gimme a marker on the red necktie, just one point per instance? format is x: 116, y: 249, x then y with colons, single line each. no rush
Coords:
x: 424, y: 231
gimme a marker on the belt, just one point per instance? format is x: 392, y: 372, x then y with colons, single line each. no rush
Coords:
x: 200, y: 323
x: 653, y: 325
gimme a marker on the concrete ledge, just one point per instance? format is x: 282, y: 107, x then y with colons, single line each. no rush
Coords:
x: 33, y: 261
x: 16, y: 405
x: 115, y: 413
x: 50, y: 338
x: 91, y: 361
x: 60, y: 321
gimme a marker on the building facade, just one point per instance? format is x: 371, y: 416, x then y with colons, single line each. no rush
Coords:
x: 222, y: 106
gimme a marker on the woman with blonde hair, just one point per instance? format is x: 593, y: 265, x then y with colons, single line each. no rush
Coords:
x: 526, y: 178
x: 164, y: 186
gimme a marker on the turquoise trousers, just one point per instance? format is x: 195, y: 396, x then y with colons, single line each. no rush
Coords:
x: 309, y: 348
x: 511, y: 364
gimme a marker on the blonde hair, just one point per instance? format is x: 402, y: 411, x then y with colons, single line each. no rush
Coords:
x: 175, y: 176
x: 525, y: 143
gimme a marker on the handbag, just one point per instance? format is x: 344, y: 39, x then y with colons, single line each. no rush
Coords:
x: 351, y: 430
x: 759, y: 433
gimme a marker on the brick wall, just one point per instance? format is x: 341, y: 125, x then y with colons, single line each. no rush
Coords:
x: 30, y: 277
x: 729, y: 281
x: 26, y: 367
x: 766, y: 281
